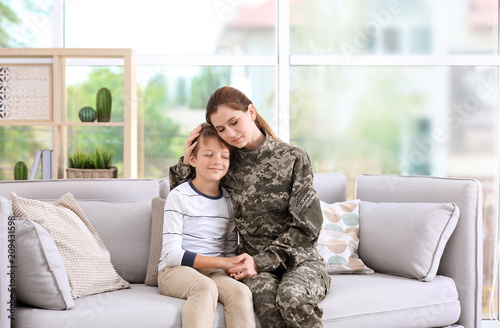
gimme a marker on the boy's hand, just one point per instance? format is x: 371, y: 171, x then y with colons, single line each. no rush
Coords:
x: 189, y: 145
x: 244, y: 267
x: 227, y: 263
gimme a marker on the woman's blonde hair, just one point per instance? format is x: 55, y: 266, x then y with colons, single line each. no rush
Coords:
x: 237, y: 100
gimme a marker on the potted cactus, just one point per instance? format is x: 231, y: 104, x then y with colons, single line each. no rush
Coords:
x: 87, y: 114
x: 103, y: 105
x: 96, y: 164
x: 20, y: 171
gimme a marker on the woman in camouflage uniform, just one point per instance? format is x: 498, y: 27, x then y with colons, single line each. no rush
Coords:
x: 277, y: 213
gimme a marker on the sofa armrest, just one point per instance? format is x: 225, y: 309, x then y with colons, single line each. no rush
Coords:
x: 4, y: 277
x: 463, y: 255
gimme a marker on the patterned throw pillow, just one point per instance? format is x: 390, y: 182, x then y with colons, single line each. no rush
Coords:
x: 87, y: 260
x: 339, y: 238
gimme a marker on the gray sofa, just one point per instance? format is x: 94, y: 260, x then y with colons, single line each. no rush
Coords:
x: 120, y: 210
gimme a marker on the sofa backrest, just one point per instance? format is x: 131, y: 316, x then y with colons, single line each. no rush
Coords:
x: 463, y: 255
x: 110, y: 189
x: 331, y: 187
x: 119, y: 209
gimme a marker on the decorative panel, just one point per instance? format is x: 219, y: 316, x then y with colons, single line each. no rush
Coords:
x: 25, y: 92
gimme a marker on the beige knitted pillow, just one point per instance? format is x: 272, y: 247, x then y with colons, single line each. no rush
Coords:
x: 156, y: 243
x: 87, y: 261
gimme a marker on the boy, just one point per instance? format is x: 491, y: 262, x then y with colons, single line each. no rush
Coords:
x: 199, y: 239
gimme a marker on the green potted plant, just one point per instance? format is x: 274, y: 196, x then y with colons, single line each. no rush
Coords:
x: 20, y: 171
x: 93, y: 165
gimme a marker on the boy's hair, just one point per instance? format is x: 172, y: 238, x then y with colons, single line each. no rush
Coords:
x: 208, y: 131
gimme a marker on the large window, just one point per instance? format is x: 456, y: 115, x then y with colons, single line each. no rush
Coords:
x: 382, y: 86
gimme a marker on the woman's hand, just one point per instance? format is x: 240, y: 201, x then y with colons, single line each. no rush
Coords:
x: 189, y: 145
x: 243, y: 267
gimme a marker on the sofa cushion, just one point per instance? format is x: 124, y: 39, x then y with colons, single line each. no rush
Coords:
x: 406, y: 239
x: 139, y: 306
x: 156, y: 244
x: 381, y: 301
x: 41, y: 278
x: 85, y: 257
x: 119, y: 221
x: 375, y: 301
x: 338, y: 241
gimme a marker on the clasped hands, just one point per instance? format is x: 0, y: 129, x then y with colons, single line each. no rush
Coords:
x: 241, y: 266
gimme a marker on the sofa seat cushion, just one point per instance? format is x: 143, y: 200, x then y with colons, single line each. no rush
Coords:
x: 360, y: 301
x: 353, y: 301
x: 140, y: 306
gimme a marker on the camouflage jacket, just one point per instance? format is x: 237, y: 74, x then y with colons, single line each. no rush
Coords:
x: 277, y: 211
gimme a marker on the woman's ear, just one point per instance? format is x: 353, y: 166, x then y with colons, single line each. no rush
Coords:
x: 253, y: 113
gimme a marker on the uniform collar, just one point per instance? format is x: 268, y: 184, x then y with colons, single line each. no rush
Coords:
x: 265, y: 150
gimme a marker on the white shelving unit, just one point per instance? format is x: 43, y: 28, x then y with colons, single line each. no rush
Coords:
x: 58, y: 57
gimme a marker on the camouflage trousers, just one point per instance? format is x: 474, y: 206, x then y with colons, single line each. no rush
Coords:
x: 290, y: 299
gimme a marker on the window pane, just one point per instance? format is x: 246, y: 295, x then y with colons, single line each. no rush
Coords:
x: 394, y: 27
x: 172, y: 101
x: 28, y: 23
x: 82, y: 84
x: 87, y: 139
x: 440, y: 121
x: 173, y: 27
x: 20, y: 143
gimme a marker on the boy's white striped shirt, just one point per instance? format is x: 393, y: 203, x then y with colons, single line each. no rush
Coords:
x: 197, y: 223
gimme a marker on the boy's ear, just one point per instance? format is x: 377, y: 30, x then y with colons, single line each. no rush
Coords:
x: 192, y: 161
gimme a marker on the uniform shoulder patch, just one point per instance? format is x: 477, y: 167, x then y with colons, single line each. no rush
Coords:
x: 305, y: 201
